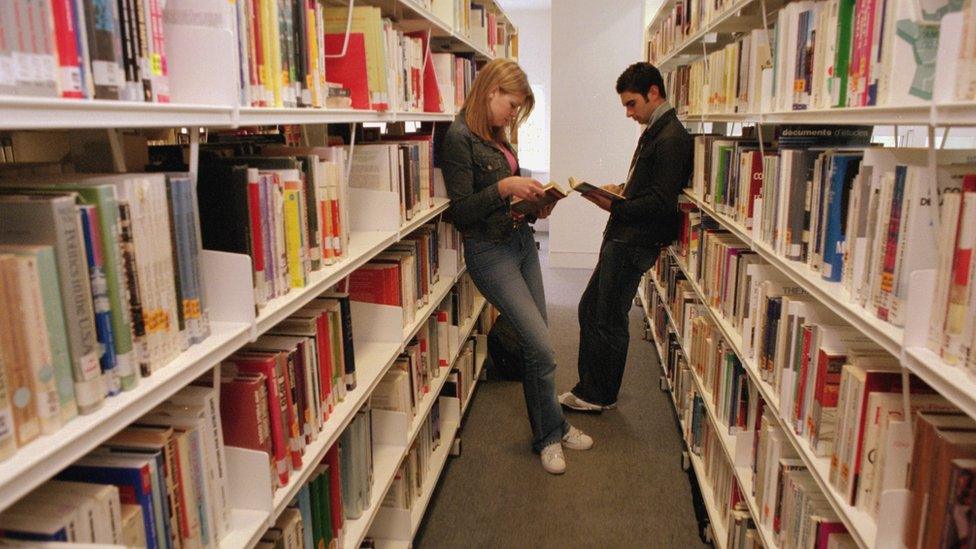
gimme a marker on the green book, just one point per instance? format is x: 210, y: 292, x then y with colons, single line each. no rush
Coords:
x: 316, y: 526
x: 838, y: 82
x: 102, y: 196
x: 57, y: 331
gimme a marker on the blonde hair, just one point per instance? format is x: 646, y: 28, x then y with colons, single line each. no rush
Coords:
x: 507, y: 77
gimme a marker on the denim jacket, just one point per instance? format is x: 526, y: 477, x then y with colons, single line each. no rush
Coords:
x: 472, y: 169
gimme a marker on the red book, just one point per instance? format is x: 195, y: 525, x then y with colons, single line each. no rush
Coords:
x: 286, y: 356
x: 804, y: 370
x: 377, y: 283
x: 244, y: 413
x: 66, y: 40
x: 335, y: 488
x: 254, y: 211
x: 432, y: 94
x: 267, y: 364
x: 258, y: 61
x: 349, y: 70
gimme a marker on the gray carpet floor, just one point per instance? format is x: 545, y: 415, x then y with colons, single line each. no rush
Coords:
x: 628, y: 491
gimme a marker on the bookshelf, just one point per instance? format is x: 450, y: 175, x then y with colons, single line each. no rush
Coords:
x: 732, y: 21
x: 861, y: 527
x: 730, y: 443
x: 234, y: 322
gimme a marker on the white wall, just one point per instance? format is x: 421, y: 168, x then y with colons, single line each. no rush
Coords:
x: 534, y: 58
x: 592, y: 139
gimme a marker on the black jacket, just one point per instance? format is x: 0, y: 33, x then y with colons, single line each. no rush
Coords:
x: 472, y: 169
x: 662, y: 165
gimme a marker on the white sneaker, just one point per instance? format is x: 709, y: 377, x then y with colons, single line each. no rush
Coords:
x: 553, y: 460
x: 575, y: 439
x: 573, y: 402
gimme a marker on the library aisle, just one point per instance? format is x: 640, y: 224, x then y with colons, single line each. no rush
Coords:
x: 628, y: 490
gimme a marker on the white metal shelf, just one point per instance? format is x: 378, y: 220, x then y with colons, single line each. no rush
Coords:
x: 913, y: 115
x: 720, y: 535
x: 440, y: 206
x: 862, y: 528
x: 36, y: 462
x: 363, y: 246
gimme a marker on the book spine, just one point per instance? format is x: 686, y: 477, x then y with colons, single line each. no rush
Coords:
x: 129, y: 273
x: 293, y: 237
x: 46, y: 396
x: 104, y: 48
x: 107, y: 207
x: 69, y: 61
x: 79, y: 314
x: 100, y: 301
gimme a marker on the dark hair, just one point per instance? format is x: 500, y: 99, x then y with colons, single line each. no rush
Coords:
x: 639, y: 77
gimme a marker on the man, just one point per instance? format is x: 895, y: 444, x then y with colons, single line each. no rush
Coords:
x: 638, y: 228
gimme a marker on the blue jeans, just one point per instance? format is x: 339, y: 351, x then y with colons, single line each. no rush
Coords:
x: 509, y: 276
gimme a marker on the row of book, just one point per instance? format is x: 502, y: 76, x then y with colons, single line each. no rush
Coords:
x: 840, y: 395
x: 685, y: 18
x: 293, y: 202
x: 102, y: 286
x: 414, y: 470
x: 299, y: 54
x: 338, y: 490
x: 278, y: 392
x: 863, y: 217
x: 160, y: 482
x: 412, y: 375
x: 287, y: 209
x: 294, y: 53
x: 403, y: 165
x: 831, y: 54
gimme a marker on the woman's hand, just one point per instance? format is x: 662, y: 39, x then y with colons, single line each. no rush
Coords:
x: 525, y: 188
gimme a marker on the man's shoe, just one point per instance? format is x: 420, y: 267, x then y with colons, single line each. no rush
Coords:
x: 573, y: 402
x: 575, y: 439
x: 553, y: 460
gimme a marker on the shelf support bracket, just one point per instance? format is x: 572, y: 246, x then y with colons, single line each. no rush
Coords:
x: 118, y: 154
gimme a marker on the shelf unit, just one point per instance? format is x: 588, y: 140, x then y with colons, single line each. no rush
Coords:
x: 38, y: 461
x: 743, y: 474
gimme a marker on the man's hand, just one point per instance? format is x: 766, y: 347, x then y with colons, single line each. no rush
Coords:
x: 601, y: 201
x: 545, y: 211
x: 525, y: 188
x: 615, y: 188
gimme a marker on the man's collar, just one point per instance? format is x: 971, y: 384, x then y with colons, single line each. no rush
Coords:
x: 659, y: 112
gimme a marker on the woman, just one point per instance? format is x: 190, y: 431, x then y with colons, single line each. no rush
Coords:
x: 479, y: 168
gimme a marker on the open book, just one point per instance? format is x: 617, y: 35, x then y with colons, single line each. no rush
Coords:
x: 553, y: 193
x: 583, y: 187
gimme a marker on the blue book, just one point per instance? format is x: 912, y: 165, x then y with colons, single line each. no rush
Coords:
x: 841, y: 176
x: 303, y: 501
x: 133, y: 476
x: 100, y: 300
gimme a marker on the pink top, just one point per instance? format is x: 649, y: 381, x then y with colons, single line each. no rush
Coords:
x: 512, y: 162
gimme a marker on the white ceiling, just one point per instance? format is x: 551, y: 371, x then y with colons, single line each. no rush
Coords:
x: 514, y: 5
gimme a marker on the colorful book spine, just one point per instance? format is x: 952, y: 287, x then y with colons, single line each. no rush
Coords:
x: 100, y: 301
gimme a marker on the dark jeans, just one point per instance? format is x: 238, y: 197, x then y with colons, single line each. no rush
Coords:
x: 509, y: 276
x: 604, y: 326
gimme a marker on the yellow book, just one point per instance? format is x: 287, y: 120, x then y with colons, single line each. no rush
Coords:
x: 366, y: 20
x: 293, y: 238
x: 313, y: 78
x: 271, y: 44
